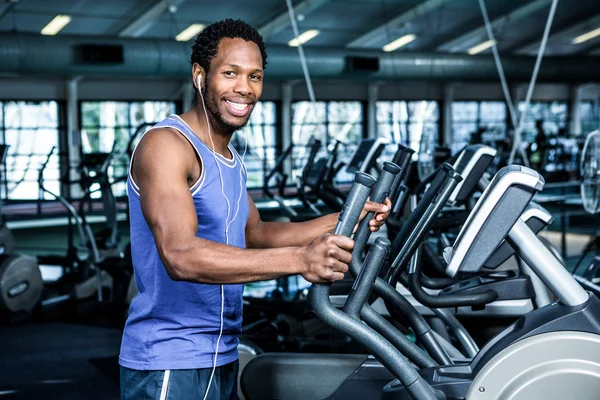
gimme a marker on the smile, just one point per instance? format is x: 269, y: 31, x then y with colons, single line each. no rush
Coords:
x: 237, y: 109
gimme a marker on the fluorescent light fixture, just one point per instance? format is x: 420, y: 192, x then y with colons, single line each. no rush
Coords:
x: 481, y: 47
x: 303, y: 37
x: 587, y: 36
x: 56, y: 25
x: 396, y: 44
x: 189, y: 32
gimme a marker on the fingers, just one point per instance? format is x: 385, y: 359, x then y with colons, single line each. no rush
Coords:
x: 334, y: 276
x: 338, y: 254
x: 339, y: 266
x: 343, y: 242
x: 337, y: 272
x: 337, y: 276
x: 380, y: 217
x: 376, y: 207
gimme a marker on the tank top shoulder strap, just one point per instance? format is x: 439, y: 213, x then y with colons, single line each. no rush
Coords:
x: 237, y: 156
x: 175, y: 122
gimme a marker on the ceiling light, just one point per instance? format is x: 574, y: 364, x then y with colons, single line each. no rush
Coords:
x: 189, y: 32
x: 303, y: 38
x: 56, y: 25
x: 396, y: 44
x: 481, y: 47
x: 587, y: 36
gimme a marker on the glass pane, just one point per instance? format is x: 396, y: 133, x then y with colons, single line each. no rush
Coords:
x: 305, y: 112
x: 492, y: 111
x: 254, y: 167
x: 553, y: 116
x: 105, y: 113
x: 302, y: 133
x: 461, y: 136
x: 528, y: 133
x: 270, y: 136
x: 385, y: 131
x: 589, y: 126
x: 119, y: 167
x: 22, y: 175
x: 399, y: 111
x: 27, y: 152
x: 416, y: 131
x: 263, y: 113
x: 345, y: 111
x: 149, y: 112
x: 399, y: 132
x: 300, y: 155
x: 493, y: 131
x: 384, y: 111
x: 556, y: 119
x: 348, y: 132
x: 103, y: 139
x: 557, y: 110
x: 251, y: 137
x: 31, y: 132
x: 535, y: 111
x: 392, y: 117
x: 419, y: 111
x: 464, y: 111
x: 90, y: 114
x: 90, y: 139
x: 586, y: 110
x: 22, y: 114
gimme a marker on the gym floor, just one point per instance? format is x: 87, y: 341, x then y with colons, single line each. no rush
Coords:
x: 65, y: 357
x: 60, y: 360
x: 60, y: 354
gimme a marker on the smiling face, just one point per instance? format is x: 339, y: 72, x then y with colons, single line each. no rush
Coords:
x: 233, y: 85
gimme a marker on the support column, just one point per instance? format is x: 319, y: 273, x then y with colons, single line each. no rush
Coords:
x: 372, y: 95
x: 575, y: 96
x: 517, y: 150
x: 516, y: 93
x: 187, y: 95
x: 70, y: 146
x: 286, y: 123
x: 448, y: 97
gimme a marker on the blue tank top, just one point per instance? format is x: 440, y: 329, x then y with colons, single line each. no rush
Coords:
x: 176, y: 325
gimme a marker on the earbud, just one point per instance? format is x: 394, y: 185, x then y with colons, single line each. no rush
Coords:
x: 199, y: 82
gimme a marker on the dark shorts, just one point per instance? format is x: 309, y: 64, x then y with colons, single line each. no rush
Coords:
x: 180, y: 384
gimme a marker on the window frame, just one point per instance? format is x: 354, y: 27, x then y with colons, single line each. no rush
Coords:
x: 61, y: 131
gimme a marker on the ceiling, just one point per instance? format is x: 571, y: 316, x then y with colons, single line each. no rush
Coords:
x: 450, y: 26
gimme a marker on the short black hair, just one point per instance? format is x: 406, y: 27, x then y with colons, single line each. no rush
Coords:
x: 207, y: 42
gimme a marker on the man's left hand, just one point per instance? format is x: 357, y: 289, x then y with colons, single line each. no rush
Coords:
x: 381, y: 213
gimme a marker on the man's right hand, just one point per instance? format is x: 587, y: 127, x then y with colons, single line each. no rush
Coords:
x: 326, y: 258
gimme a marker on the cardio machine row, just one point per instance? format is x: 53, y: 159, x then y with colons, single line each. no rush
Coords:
x: 506, y: 366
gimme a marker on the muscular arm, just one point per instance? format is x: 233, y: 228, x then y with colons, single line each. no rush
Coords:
x: 161, y: 168
x: 262, y: 235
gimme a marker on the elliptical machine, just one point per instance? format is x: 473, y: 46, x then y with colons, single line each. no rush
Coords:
x: 20, y: 277
x: 550, y: 353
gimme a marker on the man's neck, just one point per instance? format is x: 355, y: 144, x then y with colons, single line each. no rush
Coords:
x: 196, y: 119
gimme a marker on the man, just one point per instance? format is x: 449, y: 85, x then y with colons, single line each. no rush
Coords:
x: 196, y: 236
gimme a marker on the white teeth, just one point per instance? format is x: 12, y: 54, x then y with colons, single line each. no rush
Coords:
x: 239, y: 107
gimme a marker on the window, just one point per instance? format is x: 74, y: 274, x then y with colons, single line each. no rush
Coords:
x: 589, y: 116
x: 260, y: 137
x: 325, y: 121
x: 552, y: 113
x: 105, y: 124
x: 31, y: 129
x: 470, y: 117
x: 406, y: 121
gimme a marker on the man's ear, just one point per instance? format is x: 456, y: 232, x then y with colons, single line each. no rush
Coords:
x: 198, y: 75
